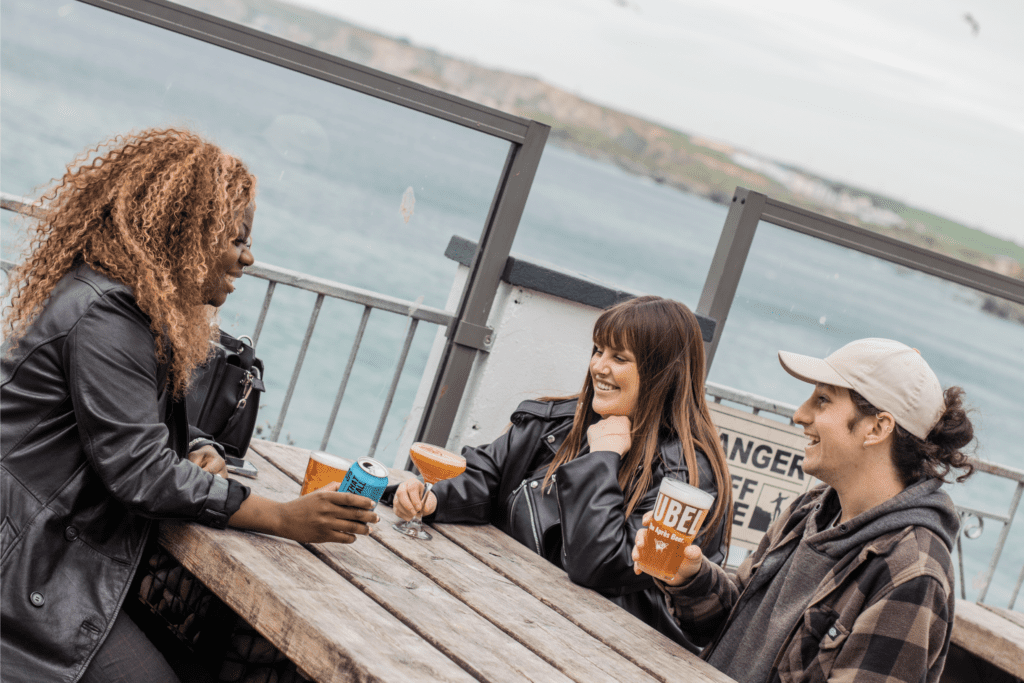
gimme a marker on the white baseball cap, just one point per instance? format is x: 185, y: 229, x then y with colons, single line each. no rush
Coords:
x: 892, y: 376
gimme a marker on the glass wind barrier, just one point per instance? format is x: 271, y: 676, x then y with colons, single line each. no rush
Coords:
x: 351, y: 188
x: 586, y: 215
x: 620, y: 229
x: 811, y: 297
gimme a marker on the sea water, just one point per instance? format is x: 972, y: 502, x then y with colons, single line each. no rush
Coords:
x: 366, y: 193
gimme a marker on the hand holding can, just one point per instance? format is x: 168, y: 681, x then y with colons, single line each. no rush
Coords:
x: 367, y: 477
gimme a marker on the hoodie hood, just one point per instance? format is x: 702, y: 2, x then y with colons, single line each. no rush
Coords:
x: 923, y: 504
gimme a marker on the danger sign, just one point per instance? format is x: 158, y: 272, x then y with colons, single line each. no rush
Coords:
x: 765, y: 460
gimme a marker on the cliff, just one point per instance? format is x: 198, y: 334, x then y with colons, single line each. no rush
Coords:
x: 686, y: 161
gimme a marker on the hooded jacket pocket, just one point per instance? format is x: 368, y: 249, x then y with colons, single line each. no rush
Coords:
x: 821, y: 639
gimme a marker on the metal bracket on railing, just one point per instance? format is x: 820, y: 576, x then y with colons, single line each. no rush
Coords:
x: 477, y: 337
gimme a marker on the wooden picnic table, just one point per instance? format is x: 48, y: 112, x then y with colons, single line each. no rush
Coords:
x: 472, y: 604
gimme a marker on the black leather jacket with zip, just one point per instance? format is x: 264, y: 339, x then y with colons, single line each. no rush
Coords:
x: 92, y: 450
x: 579, y: 523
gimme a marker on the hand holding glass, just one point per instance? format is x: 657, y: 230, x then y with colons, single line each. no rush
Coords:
x: 434, y: 464
x: 678, y: 516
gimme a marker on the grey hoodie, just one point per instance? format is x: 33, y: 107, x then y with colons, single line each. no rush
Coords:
x: 783, y: 586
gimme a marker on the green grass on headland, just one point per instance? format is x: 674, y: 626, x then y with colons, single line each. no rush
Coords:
x: 686, y: 161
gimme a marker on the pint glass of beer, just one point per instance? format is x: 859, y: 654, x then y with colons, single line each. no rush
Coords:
x: 678, y: 516
x: 323, y: 468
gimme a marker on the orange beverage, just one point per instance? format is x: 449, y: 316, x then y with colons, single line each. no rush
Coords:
x: 323, y: 468
x: 436, y: 463
x: 678, y: 516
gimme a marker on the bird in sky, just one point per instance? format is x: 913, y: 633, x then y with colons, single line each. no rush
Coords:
x: 975, y: 26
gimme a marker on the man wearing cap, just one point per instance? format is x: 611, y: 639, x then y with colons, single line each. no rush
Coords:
x: 854, y: 581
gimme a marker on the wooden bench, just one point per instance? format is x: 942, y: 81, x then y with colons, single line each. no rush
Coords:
x: 992, y: 634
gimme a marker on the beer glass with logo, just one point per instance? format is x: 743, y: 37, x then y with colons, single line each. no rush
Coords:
x: 322, y: 469
x: 434, y: 464
x: 678, y: 516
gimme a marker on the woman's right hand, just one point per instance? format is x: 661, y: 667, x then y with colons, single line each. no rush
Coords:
x: 692, y: 556
x: 611, y: 433
x: 322, y: 516
x: 409, y: 498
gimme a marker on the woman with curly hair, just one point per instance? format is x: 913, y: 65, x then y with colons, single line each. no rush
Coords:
x: 110, y: 313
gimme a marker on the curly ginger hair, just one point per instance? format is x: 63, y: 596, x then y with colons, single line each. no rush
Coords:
x: 153, y: 210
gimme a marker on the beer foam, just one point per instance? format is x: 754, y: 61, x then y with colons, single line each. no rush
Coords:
x: 439, y: 455
x: 685, y: 493
x: 331, y: 460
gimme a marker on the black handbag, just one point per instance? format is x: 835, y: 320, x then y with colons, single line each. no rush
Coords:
x: 225, y: 394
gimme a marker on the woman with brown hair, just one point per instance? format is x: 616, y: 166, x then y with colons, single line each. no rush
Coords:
x: 110, y: 313
x: 572, y: 478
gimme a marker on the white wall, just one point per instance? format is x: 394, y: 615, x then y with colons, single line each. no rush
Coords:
x: 541, y: 348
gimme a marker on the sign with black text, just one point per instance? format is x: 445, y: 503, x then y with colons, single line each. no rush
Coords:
x: 765, y: 461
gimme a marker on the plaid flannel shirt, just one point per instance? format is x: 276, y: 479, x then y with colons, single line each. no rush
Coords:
x: 883, y: 614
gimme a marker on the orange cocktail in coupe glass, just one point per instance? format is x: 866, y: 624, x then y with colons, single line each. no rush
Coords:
x: 435, y: 464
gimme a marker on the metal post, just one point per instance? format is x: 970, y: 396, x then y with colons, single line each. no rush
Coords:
x: 727, y: 265
x: 298, y: 368
x: 345, y: 376
x: 1001, y: 543
x: 482, y: 284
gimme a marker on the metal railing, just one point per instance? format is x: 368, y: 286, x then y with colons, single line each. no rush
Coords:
x: 415, y: 312
x: 968, y: 530
x: 323, y: 288
x: 720, y: 392
x: 370, y: 301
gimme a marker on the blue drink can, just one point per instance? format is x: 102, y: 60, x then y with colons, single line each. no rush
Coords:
x: 366, y: 477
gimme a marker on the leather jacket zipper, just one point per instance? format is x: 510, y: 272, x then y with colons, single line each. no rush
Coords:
x: 529, y: 508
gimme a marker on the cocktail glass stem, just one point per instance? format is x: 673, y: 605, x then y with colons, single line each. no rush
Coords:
x: 414, y: 526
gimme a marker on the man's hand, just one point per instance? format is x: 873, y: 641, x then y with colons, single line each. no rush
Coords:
x: 610, y: 433
x: 693, y: 558
x: 209, y: 460
x: 409, y: 500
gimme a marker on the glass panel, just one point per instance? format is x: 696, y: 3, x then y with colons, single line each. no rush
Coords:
x: 805, y: 295
x: 585, y: 215
x: 352, y: 188
x: 620, y: 229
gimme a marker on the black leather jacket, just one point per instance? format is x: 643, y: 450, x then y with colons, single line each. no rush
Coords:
x: 92, y: 449
x: 580, y: 523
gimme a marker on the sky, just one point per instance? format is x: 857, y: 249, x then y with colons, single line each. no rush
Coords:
x: 905, y: 98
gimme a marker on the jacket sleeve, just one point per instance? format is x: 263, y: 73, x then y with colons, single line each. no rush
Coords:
x: 197, y: 438
x: 702, y: 605
x: 898, y: 637
x: 597, y: 537
x: 111, y: 366
x: 470, y: 497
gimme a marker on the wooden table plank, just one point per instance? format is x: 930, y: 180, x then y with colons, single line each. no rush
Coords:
x: 604, y: 620
x: 320, y: 621
x: 547, y: 633
x: 987, y: 634
x: 292, y: 460
x: 437, y: 616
